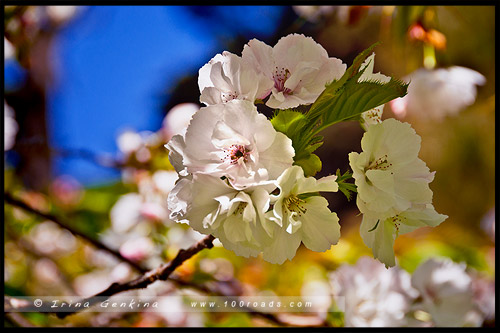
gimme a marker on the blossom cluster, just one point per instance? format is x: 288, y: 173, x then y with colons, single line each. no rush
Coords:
x: 248, y: 180
x: 439, y: 293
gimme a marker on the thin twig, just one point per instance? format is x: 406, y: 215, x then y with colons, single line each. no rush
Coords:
x: 179, y: 282
x: 161, y: 273
x: 20, y: 204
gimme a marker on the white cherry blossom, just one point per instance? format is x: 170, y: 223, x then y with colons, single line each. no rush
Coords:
x: 388, y: 173
x: 211, y: 206
x: 299, y: 67
x: 226, y: 77
x: 299, y: 216
x: 373, y: 295
x: 232, y: 140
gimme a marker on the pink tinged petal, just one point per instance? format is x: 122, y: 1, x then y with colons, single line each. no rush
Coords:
x: 301, y: 72
x: 295, y: 48
x: 211, y: 96
x: 224, y: 136
x: 176, y: 147
x: 278, y: 157
x: 219, y: 79
x: 198, y: 143
x: 320, y: 227
x: 260, y: 56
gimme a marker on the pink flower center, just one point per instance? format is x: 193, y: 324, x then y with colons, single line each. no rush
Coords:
x: 280, y: 76
x: 235, y: 152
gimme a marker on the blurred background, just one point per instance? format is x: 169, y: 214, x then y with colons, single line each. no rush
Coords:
x: 91, y: 95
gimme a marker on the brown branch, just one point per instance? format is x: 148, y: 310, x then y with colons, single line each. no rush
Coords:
x: 20, y: 204
x: 179, y: 282
x: 161, y: 273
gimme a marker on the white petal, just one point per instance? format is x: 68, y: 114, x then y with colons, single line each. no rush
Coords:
x: 380, y: 240
x: 283, y: 247
x: 320, y: 227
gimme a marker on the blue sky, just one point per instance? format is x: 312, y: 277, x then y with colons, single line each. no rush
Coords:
x: 114, y: 64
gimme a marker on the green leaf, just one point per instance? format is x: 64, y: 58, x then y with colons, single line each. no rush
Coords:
x: 360, y: 97
x: 344, y: 187
x: 289, y: 122
x: 333, y: 89
x: 346, y: 98
x: 292, y: 123
x: 310, y: 164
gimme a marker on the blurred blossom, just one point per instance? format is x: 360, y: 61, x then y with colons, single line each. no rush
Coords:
x: 10, y: 127
x: 137, y: 249
x: 177, y: 120
x: 434, y: 94
x: 165, y: 180
x: 49, y: 238
x: 126, y: 212
x: 91, y: 283
x: 98, y: 258
x: 483, y: 289
x: 67, y: 190
x: 221, y: 269
x: 46, y: 272
x: 129, y: 142
x: 312, y: 290
x: 445, y: 292
x: 61, y: 14
x: 313, y: 13
x: 180, y: 238
x: 8, y: 49
x: 121, y: 272
x: 374, y: 295
x: 175, y: 313
x: 488, y: 223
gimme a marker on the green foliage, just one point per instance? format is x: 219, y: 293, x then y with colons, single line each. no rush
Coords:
x: 311, y: 164
x: 343, y: 99
x: 344, y: 186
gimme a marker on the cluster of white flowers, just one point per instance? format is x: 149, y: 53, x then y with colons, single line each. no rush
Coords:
x: 438, y: 293
x: 393, y: 186
x: 237, y: 178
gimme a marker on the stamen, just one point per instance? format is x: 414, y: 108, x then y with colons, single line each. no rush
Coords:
x: 280, y: 76
x: 294, y: 204
x: 241, y: 207
x: 379, y: 164
x: 236, y: 152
